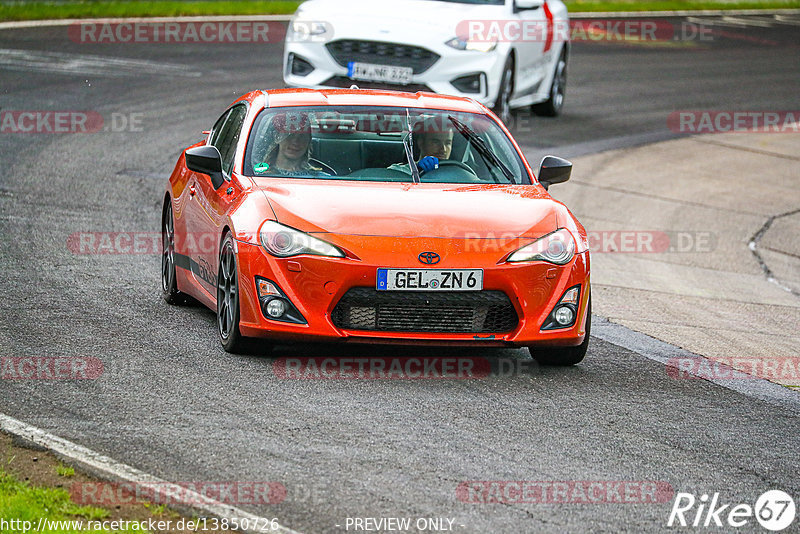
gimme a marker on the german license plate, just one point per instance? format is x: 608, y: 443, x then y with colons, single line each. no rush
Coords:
x: 430, y: 280
x: 379, y: 73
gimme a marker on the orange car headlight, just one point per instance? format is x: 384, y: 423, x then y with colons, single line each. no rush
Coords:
x: 283, y: 241
x: 557, y: 247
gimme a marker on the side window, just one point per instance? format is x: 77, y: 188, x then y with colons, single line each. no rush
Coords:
x: 218, y: 128
x: 228, y: 137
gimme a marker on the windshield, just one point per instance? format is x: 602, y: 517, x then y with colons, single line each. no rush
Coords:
x: 389, y: 144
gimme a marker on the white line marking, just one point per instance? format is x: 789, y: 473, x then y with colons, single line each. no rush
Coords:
x: 661, y: 351
x: 783, y: 19
x: 64, y: 63
x: 732, y: 22
x: 110, y: 468
x: 750, y: 21
x: 10, y: 25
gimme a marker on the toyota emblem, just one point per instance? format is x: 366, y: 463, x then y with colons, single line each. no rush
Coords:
x: 430, y: 258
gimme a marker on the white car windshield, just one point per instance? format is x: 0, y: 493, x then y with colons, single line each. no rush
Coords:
x: 392, y: 144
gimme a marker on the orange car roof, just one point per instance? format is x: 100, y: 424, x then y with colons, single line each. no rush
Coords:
x: 367, y: 97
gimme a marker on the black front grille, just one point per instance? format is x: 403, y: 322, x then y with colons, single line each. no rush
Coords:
x: 397, y: 55
x: 479, y: 312
x: 345, y: 82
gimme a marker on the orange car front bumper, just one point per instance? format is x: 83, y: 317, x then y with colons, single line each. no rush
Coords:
x: 315, y: 285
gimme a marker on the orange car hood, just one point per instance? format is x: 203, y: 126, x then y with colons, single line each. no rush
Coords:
x: 404, y: 209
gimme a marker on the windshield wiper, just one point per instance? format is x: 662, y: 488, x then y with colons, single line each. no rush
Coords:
x: 480, y: 146
x: 408, y: 144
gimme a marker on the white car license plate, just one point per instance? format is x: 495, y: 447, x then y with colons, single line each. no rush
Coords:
x: 379, y: 73
x: 430, y: 280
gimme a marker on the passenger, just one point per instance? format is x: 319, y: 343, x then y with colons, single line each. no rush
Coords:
x: 290, y: 148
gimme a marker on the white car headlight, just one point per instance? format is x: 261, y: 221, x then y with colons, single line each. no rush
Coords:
x: 282, y: 241
x: 479, y: 46
x: 306, y: 30
x: 557, y: 248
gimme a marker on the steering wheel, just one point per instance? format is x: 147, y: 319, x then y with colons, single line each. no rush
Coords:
x: 451, y: 165
x: 325, y: 167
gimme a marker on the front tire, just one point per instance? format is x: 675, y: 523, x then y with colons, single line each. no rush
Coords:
x: 565, y: 356
x: 502, y: 106
x: 228, y: 300
x: 553, y: 106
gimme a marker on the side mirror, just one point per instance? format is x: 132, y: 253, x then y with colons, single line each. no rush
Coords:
x: 554, y: 170
x: 206, y: 160
x: 523, y: 5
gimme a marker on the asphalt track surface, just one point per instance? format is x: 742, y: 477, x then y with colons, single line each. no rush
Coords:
x: 170, y: 402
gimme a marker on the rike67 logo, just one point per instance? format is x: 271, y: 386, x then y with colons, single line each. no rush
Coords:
x: 774, y: 511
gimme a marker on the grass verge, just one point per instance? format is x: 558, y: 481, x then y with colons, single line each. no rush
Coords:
x: 66, y: 9
x: 34, y: 486
x: 22, y: 505
x: 36, y: 10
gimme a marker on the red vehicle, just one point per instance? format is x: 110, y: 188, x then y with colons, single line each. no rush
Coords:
x: 377, y: 217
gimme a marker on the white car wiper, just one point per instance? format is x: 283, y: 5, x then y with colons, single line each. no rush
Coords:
x: 480, y: 145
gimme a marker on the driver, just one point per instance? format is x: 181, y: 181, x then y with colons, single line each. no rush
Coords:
x: 433, y: 146
x: 290, y: 147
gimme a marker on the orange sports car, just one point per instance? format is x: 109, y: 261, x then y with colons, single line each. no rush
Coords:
x: 375, y: 217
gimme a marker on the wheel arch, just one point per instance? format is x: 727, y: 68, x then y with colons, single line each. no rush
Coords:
x: 227, y: 228
x: 167, y: 202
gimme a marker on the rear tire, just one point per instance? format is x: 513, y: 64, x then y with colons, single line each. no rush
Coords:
x: 552, y: 106
x: 169, y: 283
x: 564, y: 356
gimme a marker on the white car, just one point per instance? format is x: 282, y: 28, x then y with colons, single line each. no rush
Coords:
x: 506, y: 54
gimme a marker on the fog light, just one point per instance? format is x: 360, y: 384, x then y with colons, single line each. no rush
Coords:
x: 276, y: 308
x: 468, y: 84
x: 274, y: 303
x: 564, y: 315
x: 299, y: 66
